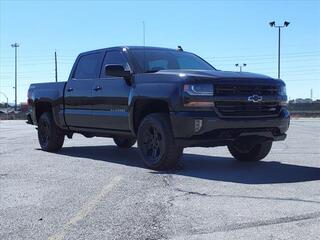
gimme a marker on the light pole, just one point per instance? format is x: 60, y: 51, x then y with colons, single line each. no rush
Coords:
x: 7, y: 103
x: 273, y: 24
x: 15, y: 46
x: 240, y: 66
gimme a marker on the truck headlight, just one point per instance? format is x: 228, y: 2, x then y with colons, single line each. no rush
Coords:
x: 199, y: 89
x: 283, y: 93
x: 195, y: 95
x: 283, y: 90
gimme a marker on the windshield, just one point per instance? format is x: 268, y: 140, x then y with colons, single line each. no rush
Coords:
x: 154, y: 60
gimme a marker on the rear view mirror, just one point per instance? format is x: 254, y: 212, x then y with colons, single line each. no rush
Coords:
x: 117, y: 70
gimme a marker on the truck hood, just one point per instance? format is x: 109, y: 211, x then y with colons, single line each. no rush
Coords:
x: 215, y: 74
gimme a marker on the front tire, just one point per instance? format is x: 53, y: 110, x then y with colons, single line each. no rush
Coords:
x: 124, y: 142
x: 250, y: 154
x: 156, y: 142
x: 50, y: 137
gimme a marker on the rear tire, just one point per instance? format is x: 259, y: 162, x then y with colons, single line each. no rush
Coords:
x: 124, y: 142
x: 156, y: 142
x: 50, y: 137
x: 255, y: 153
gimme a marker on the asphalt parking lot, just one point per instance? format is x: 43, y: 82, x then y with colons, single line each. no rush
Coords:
x: 93, y: 190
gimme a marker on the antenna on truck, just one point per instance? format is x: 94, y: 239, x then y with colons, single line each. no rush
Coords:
x: 55, y: 65
x: 144, y: 33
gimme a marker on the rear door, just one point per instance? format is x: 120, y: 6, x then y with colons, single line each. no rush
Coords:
x: 110, y: 94
x: 78, y: 92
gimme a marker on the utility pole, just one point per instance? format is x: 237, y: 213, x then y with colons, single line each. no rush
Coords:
x: 56, y: 65
x: 273, y: 24
x: 240, y: 66
x: 144, y: 44
x: 15, y: 46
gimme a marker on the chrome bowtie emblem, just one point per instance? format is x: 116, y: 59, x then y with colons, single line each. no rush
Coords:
x: 255, y: 98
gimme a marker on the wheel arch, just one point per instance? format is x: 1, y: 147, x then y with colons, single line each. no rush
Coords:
x: 144, y: 106
x: 41, y: 107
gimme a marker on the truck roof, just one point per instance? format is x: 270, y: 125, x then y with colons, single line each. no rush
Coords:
x: 129, y: 47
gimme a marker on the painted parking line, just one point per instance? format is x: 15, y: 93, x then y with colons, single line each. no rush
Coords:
x: 86, y: 209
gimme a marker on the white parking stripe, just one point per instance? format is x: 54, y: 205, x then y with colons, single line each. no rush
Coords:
x: 86, y: 209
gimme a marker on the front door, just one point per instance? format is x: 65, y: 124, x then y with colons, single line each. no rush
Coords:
x: 110, y: 96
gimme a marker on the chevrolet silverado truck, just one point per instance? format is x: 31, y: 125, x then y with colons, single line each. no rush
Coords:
x: 166, y: 100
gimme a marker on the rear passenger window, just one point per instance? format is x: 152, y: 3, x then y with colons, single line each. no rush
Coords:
x: 114, y: 57
x: 89, y: 66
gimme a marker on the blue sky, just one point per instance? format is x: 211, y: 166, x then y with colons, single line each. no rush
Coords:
x: 222, y: 32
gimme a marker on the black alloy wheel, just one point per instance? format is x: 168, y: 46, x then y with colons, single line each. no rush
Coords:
x: 156, y: 142
x: 50, y: 136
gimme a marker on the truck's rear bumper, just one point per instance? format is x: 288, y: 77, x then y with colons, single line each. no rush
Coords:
x: 217, y: 131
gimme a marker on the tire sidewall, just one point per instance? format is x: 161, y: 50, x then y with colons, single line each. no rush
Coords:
x: 44, y: 119
x: 160, y: 122
x: 257, y: 153
x: 56, y: 136
x: 124, y: 142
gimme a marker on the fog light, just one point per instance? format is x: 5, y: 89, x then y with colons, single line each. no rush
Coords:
x: 197, y: 125
x: 207, y: 104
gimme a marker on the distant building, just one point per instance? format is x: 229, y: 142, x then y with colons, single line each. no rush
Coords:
x: 303, y: 100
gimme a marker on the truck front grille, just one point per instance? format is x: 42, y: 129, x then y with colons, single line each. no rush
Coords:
x: 238, y: 108
x: 245, y: 90
x: 229, y: 107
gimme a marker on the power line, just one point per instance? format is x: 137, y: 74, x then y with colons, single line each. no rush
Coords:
x: 316, y: 52
x: 272, y: 55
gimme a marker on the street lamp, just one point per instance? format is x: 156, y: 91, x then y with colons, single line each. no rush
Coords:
x: 240, y: 66
x: 15, y: 46
x: 273, y: 24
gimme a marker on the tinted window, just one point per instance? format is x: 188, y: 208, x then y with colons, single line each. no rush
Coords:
x: 186, y: 62
x: 150, y: 60
x: 89, y: 66
x: 114, y: 57
x: 156, y: 65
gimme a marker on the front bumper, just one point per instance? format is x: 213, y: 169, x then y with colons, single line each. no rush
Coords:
x: 216, y: 131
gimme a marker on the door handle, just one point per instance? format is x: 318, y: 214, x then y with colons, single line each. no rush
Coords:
x: 97, y: 88
x: 70, y: 89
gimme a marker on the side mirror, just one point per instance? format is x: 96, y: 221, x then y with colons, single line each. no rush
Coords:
x: 117, y: 70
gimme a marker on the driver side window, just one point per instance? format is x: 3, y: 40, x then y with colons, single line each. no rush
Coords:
x: 114, y: 57
x: 157, y: 65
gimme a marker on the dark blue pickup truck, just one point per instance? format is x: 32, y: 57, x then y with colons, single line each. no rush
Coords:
x: 166, y: 99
